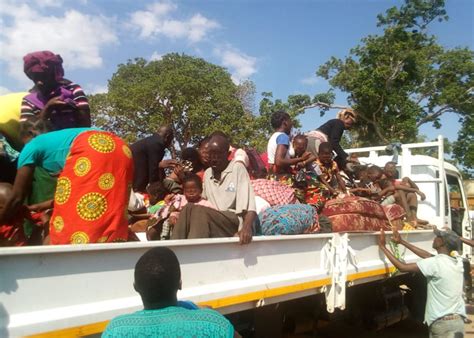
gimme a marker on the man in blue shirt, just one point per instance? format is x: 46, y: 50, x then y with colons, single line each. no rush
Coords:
x: 157, y: 280
x: 445, y: 309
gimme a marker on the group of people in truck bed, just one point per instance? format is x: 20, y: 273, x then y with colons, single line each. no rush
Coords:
x: 77, y: 184
x: 71, y: 183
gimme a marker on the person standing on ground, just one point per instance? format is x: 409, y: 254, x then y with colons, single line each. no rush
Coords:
x: 157, y: 280
x: 148, y: 156
x: 445, y: 309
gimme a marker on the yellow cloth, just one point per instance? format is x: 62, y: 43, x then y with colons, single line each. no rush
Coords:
x: 407, y: 226
x: 10, y: 108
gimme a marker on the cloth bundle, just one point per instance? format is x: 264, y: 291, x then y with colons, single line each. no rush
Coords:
x: 354, y: 213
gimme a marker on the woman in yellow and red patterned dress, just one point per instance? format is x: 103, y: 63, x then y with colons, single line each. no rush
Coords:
x: 95, y: 170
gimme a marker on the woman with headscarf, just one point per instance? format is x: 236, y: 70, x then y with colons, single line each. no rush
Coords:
x: 51, y: 90
x: 331, y: 132
x: 95, y: 170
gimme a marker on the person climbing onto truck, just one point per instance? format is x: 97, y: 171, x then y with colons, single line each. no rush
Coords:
x: 445, y: 309
x: 332, y: 132
x: 157, y: 280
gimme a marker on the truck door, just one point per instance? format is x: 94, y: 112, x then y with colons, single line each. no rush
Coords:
x: 456, y: 203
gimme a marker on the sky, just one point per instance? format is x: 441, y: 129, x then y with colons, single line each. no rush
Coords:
x: 276, y: 44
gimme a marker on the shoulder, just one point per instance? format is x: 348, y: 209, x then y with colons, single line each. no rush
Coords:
x: 207, y: 175
x: 283, y: 139
x: 429, y: 266
x: 212, y: 317
x: 237, y: 167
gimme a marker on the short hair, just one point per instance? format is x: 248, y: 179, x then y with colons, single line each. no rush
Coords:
x: 221, y: 134
x: 157, y: 190
x: 204, y: 141
x: 190, y: 154
x: 325, y: 147
x: 222, y: 139
x: 157, y: 275
x: 278, y: 118
x: 32, y: 127
x: 302, y: 137
x: 192, y: 178
x: 374, y: 169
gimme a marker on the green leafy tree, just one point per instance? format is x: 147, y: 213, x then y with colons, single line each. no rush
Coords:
x: 463, y: 148
x: 195, y: 97
x: 403, y: 78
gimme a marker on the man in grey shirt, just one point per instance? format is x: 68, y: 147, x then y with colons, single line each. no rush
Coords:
x: 227, y: 186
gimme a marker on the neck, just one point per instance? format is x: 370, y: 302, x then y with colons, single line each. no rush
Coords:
x: 443, y: 250
x: 217, y: 174
x: 160, y: 305
x: 280, y: 130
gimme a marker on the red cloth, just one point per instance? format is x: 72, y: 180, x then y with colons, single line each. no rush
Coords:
x: 12, y: 234
x: 91, y: 198
x: 393, y: 212
x: 43, y: 62
x: 354, y: 213
x: 264, y: 157
x: 354, y: 205
x: 354, y: 223
x: 273, y: 192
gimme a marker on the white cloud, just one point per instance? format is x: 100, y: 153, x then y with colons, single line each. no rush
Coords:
x: 92, y: 89
x: 157, y: 21
x: 310, y: 80
x: 49, y: 3
x: 77, y: 37
x: 156, y: 56
x: 241, y: 65
x: 4, y: 90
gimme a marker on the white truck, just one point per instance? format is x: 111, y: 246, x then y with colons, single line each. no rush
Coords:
x: 75, y: 290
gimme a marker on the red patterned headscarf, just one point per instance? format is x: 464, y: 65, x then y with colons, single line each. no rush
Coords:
x: 43, y: 62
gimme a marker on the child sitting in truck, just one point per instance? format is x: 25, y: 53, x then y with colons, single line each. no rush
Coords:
x: 407, y: 190
x: 168, y: 215
x: 383, y: 190
x: 363, y: 184
x: 330, y: 177
x: 308, y: 188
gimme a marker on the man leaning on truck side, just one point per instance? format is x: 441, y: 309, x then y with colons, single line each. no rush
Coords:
x: 445, y: 309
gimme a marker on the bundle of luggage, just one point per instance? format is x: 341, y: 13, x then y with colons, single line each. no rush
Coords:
x: 354, y: 214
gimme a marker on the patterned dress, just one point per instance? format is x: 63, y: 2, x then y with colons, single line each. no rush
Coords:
x: 91, y: 198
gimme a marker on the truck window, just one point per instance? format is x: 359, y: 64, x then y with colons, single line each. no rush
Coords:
x: 456, y: 203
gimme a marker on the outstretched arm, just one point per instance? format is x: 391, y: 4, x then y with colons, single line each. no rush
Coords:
x: 403, y: 267
x: 416, y: 250
x: 469, y: 242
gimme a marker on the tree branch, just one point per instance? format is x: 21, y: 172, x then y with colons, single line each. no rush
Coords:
x: 322, y: 105
x: 433, y: 116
